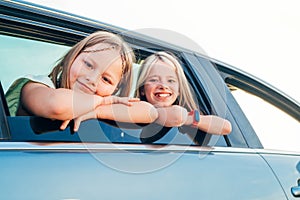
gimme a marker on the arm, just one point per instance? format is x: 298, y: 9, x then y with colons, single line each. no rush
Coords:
x: 171, y: 116
x: 137, y: 112
x: 178, y: 116
x: 211, y: 124
x: 61, y: 104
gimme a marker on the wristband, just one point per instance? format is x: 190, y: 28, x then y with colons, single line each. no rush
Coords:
x: 196, y: 117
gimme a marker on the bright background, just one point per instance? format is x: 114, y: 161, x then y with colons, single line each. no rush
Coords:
x: 260, y: 37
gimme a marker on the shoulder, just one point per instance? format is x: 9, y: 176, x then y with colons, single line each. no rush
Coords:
x: 43, y: 79
x: 14, y: 91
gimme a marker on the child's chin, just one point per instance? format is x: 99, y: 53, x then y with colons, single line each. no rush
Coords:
x: 160, y: 105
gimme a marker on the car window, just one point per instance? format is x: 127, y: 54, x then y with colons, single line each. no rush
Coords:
x: 275, y: 128
x: 20, y: 57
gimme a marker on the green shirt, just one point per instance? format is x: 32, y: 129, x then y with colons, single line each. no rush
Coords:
x: 13, y: 93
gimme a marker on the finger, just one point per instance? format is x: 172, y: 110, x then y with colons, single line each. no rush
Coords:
x: 77, y: 122
x: 64, y: 125
x: 132, y: 99
x: 111, y: 99
x: 127, y: 102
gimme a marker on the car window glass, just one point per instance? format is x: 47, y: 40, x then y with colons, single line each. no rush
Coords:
x: 275, y: 129
x: 21, y: 57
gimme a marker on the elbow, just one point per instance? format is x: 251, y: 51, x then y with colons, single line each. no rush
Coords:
x: 152, y: 113
x: 227, y: 128
x: 56, y: 110
x: 215, y: 125
x: 179, y: 116
x: 177, y: 121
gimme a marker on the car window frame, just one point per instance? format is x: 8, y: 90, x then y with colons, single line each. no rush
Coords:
x: 208, y: 77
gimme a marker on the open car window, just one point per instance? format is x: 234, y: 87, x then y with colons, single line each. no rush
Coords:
x: 21, y: 57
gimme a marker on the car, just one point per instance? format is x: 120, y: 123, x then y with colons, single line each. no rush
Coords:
x: 107, y: 160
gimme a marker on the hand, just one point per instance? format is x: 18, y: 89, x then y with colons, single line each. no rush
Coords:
x: 64, y: 125
x: 78, y: 120
x: 172, y: 116
x: 119, y: 100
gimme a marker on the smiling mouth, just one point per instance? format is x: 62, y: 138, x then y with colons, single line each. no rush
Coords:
x: 85, y: 88
x: 163, y: 95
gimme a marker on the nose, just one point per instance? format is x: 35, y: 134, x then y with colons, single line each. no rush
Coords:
x: 93, y: 78
x: 163, y: 85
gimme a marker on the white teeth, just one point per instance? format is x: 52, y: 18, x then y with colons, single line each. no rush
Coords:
x: 163, y: 95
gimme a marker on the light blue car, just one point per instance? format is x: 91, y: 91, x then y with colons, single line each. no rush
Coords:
x: 107, y: 160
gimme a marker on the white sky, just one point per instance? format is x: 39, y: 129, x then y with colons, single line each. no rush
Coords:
x: 261, y: 37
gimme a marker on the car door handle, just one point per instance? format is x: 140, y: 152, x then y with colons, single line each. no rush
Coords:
x: 296, y: 190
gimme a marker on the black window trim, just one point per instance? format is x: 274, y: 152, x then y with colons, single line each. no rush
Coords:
x: 243, y: 135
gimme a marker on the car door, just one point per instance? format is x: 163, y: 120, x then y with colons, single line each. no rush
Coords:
x: 71, y: 171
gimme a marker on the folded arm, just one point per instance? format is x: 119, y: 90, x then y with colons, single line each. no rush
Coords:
x: 175, y: 116
x: 62, y: 104
x: 137, y: 112
x: 212, y: 124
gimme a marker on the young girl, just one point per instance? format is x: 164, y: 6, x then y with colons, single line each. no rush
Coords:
x: 162, y: 83
x: 85, y: 78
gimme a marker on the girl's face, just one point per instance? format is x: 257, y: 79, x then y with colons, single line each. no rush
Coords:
x: 161, y: 87
x: 96, y: 72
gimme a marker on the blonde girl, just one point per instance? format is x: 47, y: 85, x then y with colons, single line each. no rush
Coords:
x: 162, y: 83
x: 87, y: 77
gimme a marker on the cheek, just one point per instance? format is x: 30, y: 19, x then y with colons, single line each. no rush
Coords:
x: 105, y: 90
x: 176, y: 90
x: 147, y: 89
x: 74, y: 73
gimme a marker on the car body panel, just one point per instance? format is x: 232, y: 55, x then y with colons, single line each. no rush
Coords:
x: 143, y: 173
x: 287, y: 170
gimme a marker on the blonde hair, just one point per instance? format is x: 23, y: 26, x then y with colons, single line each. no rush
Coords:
x: 185, y: 97
x: 60, y: 73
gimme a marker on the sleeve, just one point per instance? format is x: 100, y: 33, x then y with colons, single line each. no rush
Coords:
x: 13, y: 93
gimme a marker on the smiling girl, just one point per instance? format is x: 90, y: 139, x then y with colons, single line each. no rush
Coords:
x: 162, y: 83
x: 87, y: 77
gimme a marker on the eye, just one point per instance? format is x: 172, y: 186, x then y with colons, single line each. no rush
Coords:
x: 153, y: 80
x: 172, y: 81
x: 107, y: 80
x: 88, y: 64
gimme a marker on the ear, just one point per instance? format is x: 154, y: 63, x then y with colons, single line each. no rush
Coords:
x: 142, y: 92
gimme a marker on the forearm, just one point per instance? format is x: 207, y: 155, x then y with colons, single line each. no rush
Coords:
x: 212, y: 124
x: 138, y: 112
x: 172, y: 116
x: 61, y: 104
